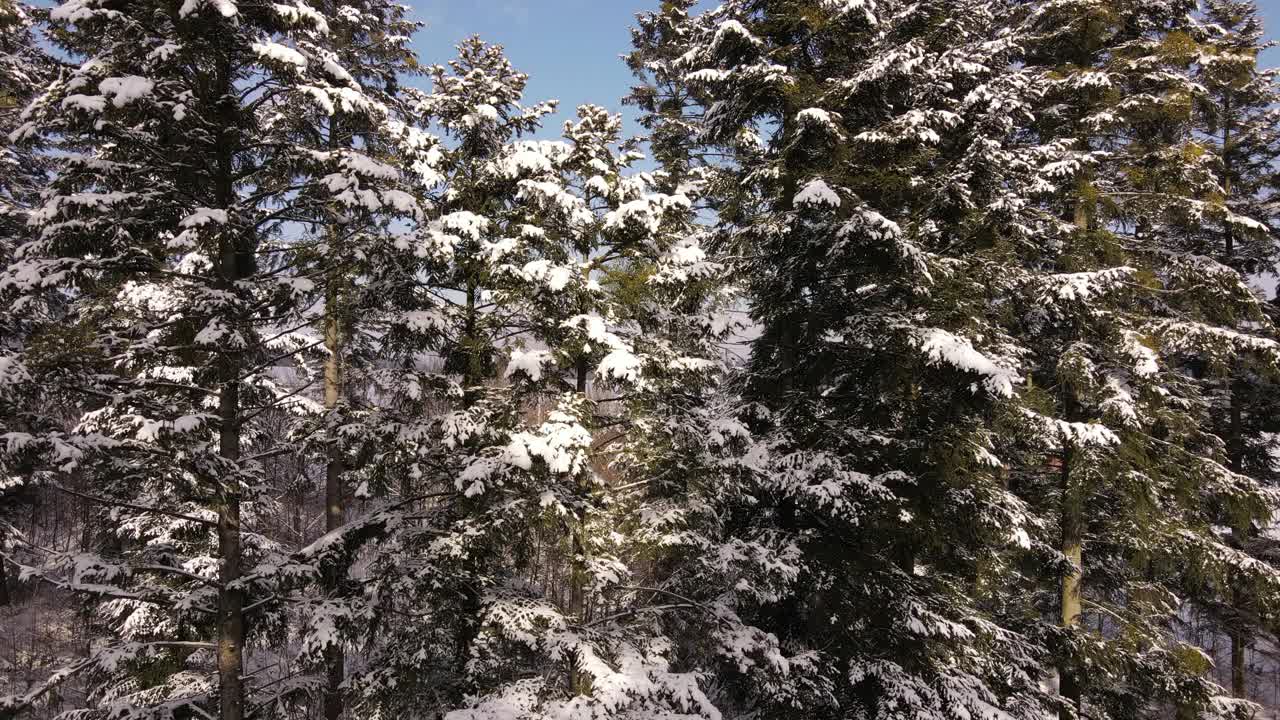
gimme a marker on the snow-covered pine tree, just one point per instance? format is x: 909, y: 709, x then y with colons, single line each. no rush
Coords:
x: 345, y: 145
x: 548, y: 263
x: 165, y: 232
x: 1065, y: 122
x: 615, y: 303
x: 25, y: 68
x: 428, y: 578
x: 1117, y: 305
x: 666, y: 102
x: 1237, y: 109
x: 870, y: 190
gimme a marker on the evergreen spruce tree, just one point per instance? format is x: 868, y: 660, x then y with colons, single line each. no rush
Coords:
x: 429, y: 577
x: 1238, y: 131
x: 603, y: 249
x: 1036, y: 198
x: 24, y: 69
x: 869, y: 186
x: 165, y: 232
x: 346, y: 145
x: 1122, y: 304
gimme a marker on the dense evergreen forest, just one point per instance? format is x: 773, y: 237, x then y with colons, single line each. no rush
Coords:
x: 917, y: 364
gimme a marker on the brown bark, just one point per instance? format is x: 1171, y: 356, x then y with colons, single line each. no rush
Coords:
x: 334, y: 657
x: 5, y: 600
x: 231, y: 629
x: 579, y: 682
x: 1072, y: 521
x: 231, y: 625
x: 1235, y: 439
x: 1072, y: 582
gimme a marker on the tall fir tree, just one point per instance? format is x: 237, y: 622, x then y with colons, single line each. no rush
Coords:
x: 1032, y: 172
x: 347, y: 147
x: 429, y: 577
x: 1125, y: 305
x: 24, y: 69
x: 1237, y: 130
x: 865, y: 185
x: 603, y: 248
x: 166, y: 230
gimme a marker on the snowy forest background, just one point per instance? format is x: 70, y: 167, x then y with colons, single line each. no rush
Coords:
x: 914, y: 365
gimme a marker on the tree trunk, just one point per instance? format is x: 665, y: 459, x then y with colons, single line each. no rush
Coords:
x: 334, y: 512
x: 472, y: 378
x: 231, y: 629
x: 473, y: 374
x: 1235, y: 461
x: 1226, y: 178
x: 233, y: 265
x: 579, y: 682
x: 334, y: 658
x: 1072, y: 540
x: 1072, y: 582
x: 5, y: 600
x: 1235, y: 439
x: 1238, y: 641
x: 230, y: 598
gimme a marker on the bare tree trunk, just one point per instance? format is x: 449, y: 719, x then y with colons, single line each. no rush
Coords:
x: 1072, y: 542
x: 334, y: 658
x: 231, y: 626
x: 579, y: 682
x: 1235, y: 439
x: 230, y: 598
x: 1072, y: 582
x: 5, y: 599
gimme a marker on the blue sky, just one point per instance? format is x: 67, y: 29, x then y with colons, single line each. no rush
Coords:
x: 570, y: 48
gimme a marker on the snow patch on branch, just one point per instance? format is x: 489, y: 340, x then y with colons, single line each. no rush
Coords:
x: 296, y: 12
x: 204, y: 216
x: 733, y: 28
x: 1080, y: 434
x: 620, y: 364
x: 225, y: 8
x: 817, y: 194
x: 87, y: 103
x: 821, y: 119
x: 529, y: 362
x: 280, y: 53
x: 124, y: 90
x: 1084, y: 286
x: 942, y: 347
x: 1145, y: 360
x: 465, y: 223
x: 552, y: 276
x: 840, y: 8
